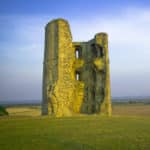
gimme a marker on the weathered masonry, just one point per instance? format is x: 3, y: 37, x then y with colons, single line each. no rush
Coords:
x: 76, y: 77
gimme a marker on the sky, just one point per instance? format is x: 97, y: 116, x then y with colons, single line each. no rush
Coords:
x: 22, y: 26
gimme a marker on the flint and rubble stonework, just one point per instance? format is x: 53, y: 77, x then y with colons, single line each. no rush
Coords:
x: 76, y: 77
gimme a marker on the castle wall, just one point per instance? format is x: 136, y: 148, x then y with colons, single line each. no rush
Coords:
x: 75, y: 74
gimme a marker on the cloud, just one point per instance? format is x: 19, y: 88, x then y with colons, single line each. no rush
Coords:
x: 129, y: 36
x: 129, y: 47
x: 22, y: 48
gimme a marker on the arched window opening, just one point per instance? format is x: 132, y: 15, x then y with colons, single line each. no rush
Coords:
x: 78, y: 76
x: 78, y: 52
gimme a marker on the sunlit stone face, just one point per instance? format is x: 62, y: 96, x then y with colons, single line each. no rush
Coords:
x: 76, y: 76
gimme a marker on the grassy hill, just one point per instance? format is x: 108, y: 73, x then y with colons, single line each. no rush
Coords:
x: 127, y: 129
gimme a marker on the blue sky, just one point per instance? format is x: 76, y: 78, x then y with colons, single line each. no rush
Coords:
x: 22, y: 25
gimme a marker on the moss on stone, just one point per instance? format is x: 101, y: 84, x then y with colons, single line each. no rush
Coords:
x: 76, y: 76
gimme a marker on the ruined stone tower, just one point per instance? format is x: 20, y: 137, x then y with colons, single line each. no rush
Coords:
x: 76, y: 77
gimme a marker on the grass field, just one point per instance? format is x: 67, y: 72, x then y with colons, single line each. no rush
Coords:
x: 125, y: 130
x: 24, y: 111
x: 138, y: 109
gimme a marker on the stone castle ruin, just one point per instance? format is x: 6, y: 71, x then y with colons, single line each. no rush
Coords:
x: 76, y: 77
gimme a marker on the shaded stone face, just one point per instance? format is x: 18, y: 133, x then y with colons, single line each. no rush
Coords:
x: 76, y: 76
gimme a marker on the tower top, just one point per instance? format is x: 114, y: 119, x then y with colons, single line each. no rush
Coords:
x: 56, y: 21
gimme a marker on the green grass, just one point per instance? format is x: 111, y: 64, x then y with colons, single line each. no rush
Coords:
x: 76, y: 133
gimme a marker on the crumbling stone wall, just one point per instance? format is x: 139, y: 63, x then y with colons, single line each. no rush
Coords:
x: 76, y: 75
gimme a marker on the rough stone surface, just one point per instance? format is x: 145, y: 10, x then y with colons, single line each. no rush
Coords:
x: 76, y: 77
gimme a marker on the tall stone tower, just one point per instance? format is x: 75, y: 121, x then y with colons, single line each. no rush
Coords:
x: 76, y: 77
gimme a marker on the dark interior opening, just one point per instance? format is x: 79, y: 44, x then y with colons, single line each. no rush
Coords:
x: 93, y: 108
x: 94, y: 76
x: 94, y: 51
x: 93, y: 94
x: 97, y: 50
x: 101, y: 52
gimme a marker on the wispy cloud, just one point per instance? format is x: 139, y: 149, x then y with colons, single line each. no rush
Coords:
x: 22, y: 47
x: 129, y: 46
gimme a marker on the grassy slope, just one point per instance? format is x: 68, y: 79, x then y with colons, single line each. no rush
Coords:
x: 138, y: 109
x: 77, y: 133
